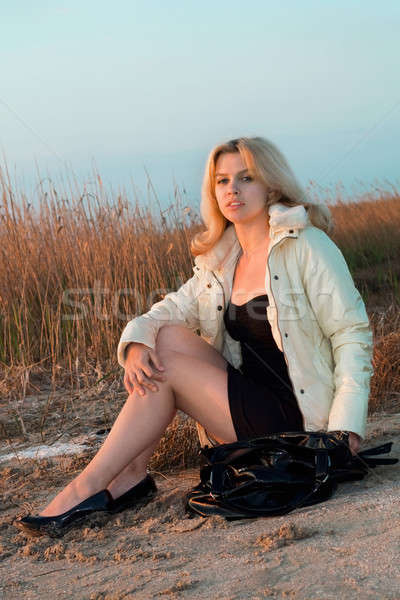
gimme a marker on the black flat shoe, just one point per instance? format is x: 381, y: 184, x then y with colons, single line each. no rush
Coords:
x: 139, y: 495
x: 83, y: 513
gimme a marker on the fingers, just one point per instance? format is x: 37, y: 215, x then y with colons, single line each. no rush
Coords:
x: 156, y: 360
x: 150, y: 373
x: 127, y: 384
x: 153, y: 372
x: 144, y: 382
x: 132, y: 383
x: 139, y: 381
x: 139, y: 374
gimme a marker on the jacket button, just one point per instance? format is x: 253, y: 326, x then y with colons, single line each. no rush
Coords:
x: 276, y: 277
x: 208, y: 284
x: 291, y: 231
x: 301, y: 391
x: 286, y: 335
x: 219, y: 307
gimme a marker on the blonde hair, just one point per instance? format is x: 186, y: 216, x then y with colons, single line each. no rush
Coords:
x: 270, y: 166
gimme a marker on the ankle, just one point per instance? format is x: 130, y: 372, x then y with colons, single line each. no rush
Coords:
x: 73, y: 493
x: 85, y: 486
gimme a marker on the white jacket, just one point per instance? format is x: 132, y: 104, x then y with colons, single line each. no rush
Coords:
x: 317, y: 316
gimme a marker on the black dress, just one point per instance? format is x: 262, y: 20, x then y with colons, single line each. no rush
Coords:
x: 261, y: 396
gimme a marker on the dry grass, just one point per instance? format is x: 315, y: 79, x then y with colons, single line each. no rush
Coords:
x: 76, y: 266
x: 368, y: 235
x: 75, y: 269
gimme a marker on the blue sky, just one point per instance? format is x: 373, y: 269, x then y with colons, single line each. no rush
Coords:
x: 156, y: 84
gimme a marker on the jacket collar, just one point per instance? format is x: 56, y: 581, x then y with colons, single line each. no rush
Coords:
x: 282, y: 219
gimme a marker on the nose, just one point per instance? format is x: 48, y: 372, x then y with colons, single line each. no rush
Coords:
x: 233, y: 188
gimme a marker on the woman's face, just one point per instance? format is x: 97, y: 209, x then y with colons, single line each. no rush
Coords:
x: 241, y: 198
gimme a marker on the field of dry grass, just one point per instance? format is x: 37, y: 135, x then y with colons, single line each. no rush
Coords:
x: 76, y: 266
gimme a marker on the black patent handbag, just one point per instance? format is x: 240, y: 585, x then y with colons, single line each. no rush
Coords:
x: 277, y: 473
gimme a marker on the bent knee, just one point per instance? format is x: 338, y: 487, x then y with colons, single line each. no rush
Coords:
x: 170, y: 337
x: 178, y: 339
x: 136, y: 396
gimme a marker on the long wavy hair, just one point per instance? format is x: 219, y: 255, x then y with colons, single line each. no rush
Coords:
x: 270, y: 166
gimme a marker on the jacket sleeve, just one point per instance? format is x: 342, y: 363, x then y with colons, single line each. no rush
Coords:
x: 176, y: 308
x: 342, y: 317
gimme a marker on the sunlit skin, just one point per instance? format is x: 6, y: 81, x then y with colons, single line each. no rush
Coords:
x: 233, y: 181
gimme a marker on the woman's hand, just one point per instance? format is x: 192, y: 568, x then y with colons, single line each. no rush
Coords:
x: 354, y: 442
x: 139, y: 371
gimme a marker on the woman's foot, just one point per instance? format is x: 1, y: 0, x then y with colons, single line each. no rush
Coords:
x: 74, y: 493
x: 87, y: 511
x: 84, y: 513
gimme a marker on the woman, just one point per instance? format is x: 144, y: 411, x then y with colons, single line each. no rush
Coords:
x: 285, y: 342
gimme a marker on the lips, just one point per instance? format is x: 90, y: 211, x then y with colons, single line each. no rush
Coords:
x: 234, y: 204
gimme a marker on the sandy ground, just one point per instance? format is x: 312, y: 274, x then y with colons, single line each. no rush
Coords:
x: 347, y: 547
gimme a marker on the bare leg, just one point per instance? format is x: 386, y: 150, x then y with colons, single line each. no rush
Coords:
x: 134, y: 472
x: 196, y: 387
x: 181, y: 339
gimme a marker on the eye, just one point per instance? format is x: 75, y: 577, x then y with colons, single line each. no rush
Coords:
x: 248, y: 177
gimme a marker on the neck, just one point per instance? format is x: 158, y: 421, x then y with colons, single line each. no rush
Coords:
x: 253, y: 238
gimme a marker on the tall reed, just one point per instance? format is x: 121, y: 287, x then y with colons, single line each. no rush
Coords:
x: 77, y: 264
x: 76, y: 267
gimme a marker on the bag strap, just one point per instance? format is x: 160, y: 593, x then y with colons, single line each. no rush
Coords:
x: 322, y: 464
x: 217, y: 479
x: 292, y: 441
x: 383, y: 449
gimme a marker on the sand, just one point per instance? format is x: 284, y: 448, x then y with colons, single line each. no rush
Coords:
x: 346, y: 547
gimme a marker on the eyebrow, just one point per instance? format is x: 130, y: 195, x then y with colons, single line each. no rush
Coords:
x: 240, y: 172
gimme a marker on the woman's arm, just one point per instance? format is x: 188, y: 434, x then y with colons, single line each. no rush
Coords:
x: 176, y: 308
x: 340, y: 312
